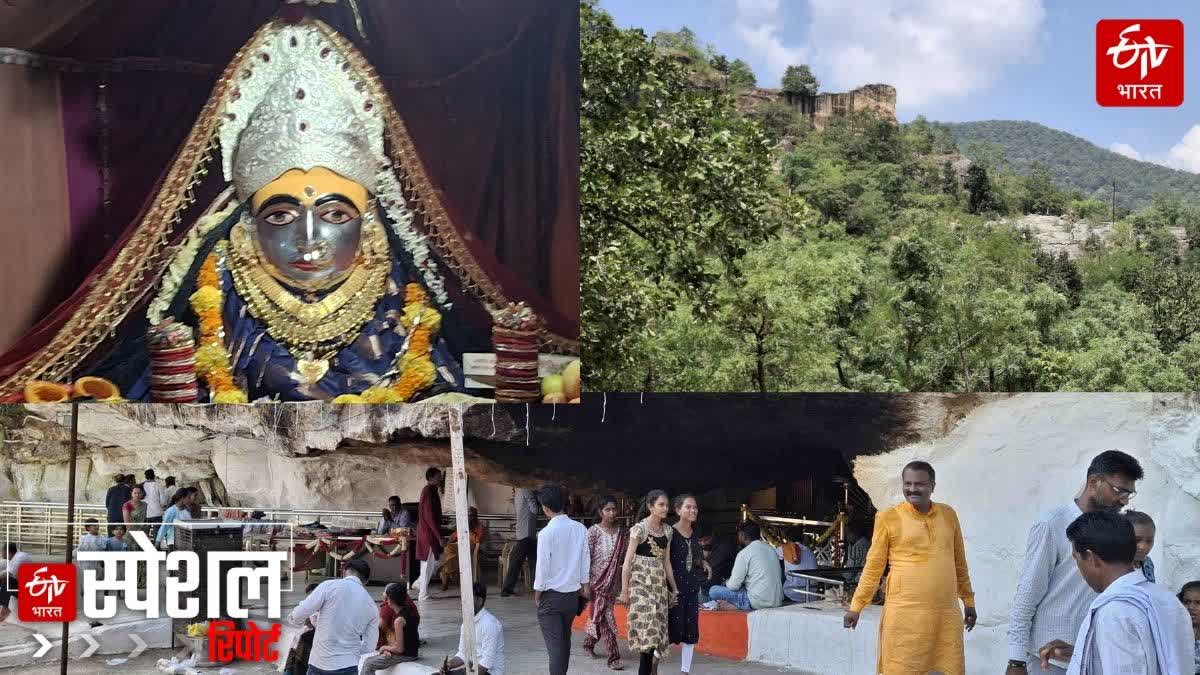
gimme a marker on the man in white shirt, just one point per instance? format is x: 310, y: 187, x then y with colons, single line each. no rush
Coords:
x: 563, y: 568
x: 347, y: 622
x: 152, y: 494
x: 489, y: 642
x: 8, y: 576
x: 1052, y: 598
x: 14, y: 560
x: 1133, y: 627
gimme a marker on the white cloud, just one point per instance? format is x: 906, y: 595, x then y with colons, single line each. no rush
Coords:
x: 1125, y: 149
x: 759, y: 26
x: 927, y: 49
x: 1186, y: 153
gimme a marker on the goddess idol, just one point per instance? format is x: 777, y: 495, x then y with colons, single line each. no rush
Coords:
x: 307, y: 278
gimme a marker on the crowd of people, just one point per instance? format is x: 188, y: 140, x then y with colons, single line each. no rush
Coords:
x: 665, y: 567
x: 1086, y: 599
x: 343, y: 625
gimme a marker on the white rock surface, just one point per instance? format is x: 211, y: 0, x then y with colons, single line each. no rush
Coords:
x: 300, y: 455
x: 1016, y: 456
x: 1056, y: 234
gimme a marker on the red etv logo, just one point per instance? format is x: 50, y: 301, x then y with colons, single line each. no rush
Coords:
x: 46, y: 592
x: 1139, y: 62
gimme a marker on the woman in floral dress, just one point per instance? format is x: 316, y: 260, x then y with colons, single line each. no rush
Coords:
x: 606, y: 545
x: 687, y: 561
x: 646, y: 577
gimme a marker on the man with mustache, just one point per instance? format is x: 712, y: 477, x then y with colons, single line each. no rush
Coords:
x: 921, y: 542
x: 1052, y: 598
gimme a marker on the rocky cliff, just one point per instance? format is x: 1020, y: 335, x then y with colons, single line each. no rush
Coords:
x: 819, y: 109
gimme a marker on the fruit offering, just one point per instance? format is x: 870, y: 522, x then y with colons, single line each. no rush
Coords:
x: 564, y: 386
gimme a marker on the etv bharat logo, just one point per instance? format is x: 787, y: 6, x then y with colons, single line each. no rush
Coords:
x: 46, y: 592
x: 1139, y: 62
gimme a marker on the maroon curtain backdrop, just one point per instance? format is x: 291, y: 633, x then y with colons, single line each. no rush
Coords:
x: 489, y: 91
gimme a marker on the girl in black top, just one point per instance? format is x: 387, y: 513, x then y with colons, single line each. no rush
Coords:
x: 687, y: 561
x: 403, y: 647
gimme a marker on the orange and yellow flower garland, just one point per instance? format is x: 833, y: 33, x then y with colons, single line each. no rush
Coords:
x: 414, y: 364
x: 212, y: 359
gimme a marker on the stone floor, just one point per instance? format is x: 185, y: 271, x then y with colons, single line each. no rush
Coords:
x: 525, y: 652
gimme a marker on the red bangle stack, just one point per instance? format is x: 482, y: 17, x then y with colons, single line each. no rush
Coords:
x: 516, y: 365
x: 172, y: 364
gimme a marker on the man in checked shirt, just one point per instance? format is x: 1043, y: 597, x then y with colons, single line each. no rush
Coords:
x: 1052, y: 598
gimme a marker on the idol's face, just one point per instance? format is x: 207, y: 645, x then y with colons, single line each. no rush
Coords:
x: 308, y: 227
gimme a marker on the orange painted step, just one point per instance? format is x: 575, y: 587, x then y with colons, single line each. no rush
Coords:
x: 723, y: 634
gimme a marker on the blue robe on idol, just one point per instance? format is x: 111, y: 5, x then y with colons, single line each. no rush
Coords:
x: 267, y: 368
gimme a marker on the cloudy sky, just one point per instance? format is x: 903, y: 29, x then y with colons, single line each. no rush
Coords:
x: 952, y: 60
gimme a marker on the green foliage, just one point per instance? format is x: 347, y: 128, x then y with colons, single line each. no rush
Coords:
x: 1041, y: 194
x: 800, y: 81
x: 949, y: 179
x: 740, y: 75
x: 780, y: 119
x: 1060, y: 273
x: 1075, y: 163
x: 979, y: 190
x: 1171, y: 294
x: 1091, y: 210
x: 672, y: 179
x: 862, y: 263
x: 924, y: 138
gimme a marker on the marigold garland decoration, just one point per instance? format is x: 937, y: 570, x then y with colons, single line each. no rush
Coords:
x: 414, y: 364
x: 212, y: 359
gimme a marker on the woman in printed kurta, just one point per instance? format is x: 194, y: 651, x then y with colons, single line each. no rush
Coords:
x: 646, y: 576
x: 922, y: 626
x: 606, y: 548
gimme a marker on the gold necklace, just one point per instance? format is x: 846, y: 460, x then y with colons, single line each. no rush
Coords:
x: 315, y: 331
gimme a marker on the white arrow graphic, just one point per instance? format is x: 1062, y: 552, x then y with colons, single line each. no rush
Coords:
x: 141, y: 645
x: 91, y: 641
x: 45, y: 646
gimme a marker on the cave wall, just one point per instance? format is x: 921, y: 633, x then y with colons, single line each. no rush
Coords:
x: 300, y: 456
x: 1014, y: 457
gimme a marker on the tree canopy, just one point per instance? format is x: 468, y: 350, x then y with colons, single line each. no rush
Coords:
x: 800, y: 81
x: 729, y: 251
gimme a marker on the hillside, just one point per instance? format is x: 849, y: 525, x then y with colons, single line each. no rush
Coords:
x: 731, y: 243
x: 1078, y: 164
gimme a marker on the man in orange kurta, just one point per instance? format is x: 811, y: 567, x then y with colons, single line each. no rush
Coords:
x: 921, y: 542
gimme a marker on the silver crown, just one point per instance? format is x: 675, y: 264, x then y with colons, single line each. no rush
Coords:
x: 298, y: 105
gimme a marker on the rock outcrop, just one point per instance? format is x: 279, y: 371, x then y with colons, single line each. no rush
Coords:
x: 1056, y: 234
x: 1016, y: 456
x: 821, y: 108
x: 306, y: 455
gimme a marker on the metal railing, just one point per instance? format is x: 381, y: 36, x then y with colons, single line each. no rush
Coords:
x: 43, y: 525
